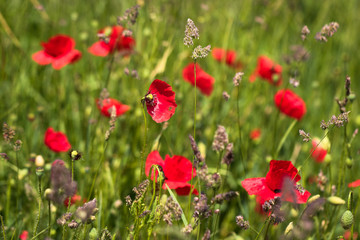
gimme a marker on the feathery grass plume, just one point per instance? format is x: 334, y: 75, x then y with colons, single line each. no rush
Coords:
x: 105, y: 235
x: 112, y: 122
x: 172, y: 211
x: 201, y: 208
x: 73, y: 224
x: 8, y: 133
x: 277, y: 216
x: 104, y: 94
x: 187, y: 229
x: 304, y: 32
x: 328, y: 30
x: 191, y: 32
x: 198, y: 158
x: 129, y: 17
x: 342, y: 103
x: 220, y: 139
x: 219, y: 198
x: 229, y: 154
x: 17, y: 145
x: 293, y: 82
x: 4, y: 156
x: 337, y: 121
x: 321, y: 180
x: 226, y: 96
x: 64, y: 218
x: 298, y: 54
x: 237, y: 78
x: 240, y: 221
x: 87, y: 211
x: 306, y: 136
x: 213, y: 180
x: 62, y: 186
x: 207, y: 235
x: 141, y: 189
x: 201, y: 52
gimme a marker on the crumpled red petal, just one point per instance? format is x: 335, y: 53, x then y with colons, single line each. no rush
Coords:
x: 107, y: 105
x: 153, y: 158
x: 100, y: 49
x: 56, y: 141
x: 290, y: 104
x: 164, y: 105
x: 267, y: 69
x: 279, y: 169
x: 354, y: 184
x: 62, y: 61
x: 42, y: 58
x: 258, y: 186
x: 204, y: 81
x: 178, y: 169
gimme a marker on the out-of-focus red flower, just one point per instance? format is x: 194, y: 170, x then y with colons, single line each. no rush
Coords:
x: 318, y: 153
x: 271, y: 186
x: 56, y: 141
x: 74, y: 200
x: 59, y: 51
x: 107, y: 104
x: 267, y: 70
x: 290, y: 104
x: 354, y: 184
x: 114, y: 41
x: 58, y: 162
x: 177, y: 170
x: 204, y: 81
x: 255, y: 134
x: 347, y: 235
x: 227, y: 56
x: 160, y: 101
x: 24, y: 235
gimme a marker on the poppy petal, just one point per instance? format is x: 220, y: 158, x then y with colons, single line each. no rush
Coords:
x: 178, y: 168
x: 42, y: 58
x: 258, y: 186
x: 153, y: 158
x: 100, y: 49
x: 66, y: 59
x: 56, y: 141
x: 204, y: 81
x: 279, y: 170
x: 107, y: 105
x: 290, y: 104
x: 354, y: 184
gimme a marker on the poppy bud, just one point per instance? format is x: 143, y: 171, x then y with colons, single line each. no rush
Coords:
x: 289, y: 228
x: 48, y: 193
x: 93, y: 234
x: 39, y: 161
x: 39, y: 171
x: 347, y: 219
x: 349, y: 162
x: 352, y: 97
x: 313, y: 198
x: 334, y: 200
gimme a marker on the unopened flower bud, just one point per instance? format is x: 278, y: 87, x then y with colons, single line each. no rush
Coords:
x: 39, y: 161
x: 313, y: 198
x: 349, y: 162
x: 39, y: 171
x: 48, y: 193
x: 334, y: 200
x: 347, y: 219
x: 289, y: 228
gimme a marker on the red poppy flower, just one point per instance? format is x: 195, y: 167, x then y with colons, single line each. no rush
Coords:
x: 267, y: 70
x: 354, y: 184
x: 160, y: 101
x: 255, y: 134
x: 177, y: 170
x: 227, y: 56
x: 56, y: 141
x: 347, y: 235
x: 116, y: 42
x: 204, y: 81
x: 290, y: 104
x: 318, y: 153
x: 59, y: 51
x: 74, y: 200
x: 107, y: 105
x: 270, y: 186
x: 24, y: 235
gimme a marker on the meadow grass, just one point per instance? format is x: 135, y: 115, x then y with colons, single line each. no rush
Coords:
x: 35, y: 97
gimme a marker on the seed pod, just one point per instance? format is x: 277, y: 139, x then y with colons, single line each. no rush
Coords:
x: 289, y: 228
x: 313, y: 198
x: 347, y: 219
x: 334, y: 200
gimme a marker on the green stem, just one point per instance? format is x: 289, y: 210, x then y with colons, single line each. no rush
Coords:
x: 238, y: 121
x: 282, y: 141
x: 49, y: 209
x: 39, y: 211
x: 262, y: 228
x: 109, y: 72
x: 267, y: 229
x: 2, y: 227
x: 37, y: 235
x: 98, y: 168
x: 142, y: 169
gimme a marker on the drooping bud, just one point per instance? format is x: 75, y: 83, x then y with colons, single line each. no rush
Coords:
x: 347, y: 219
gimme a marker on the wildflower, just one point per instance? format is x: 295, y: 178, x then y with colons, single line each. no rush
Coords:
x: 62, y: 186
x: 199, y: 159
x: 226, y: 96
x: 24, y: 235
x: 201, y: 208
x: 178, y: 170
x: 201, y: 52
x: 354, y: 184
x: 240, y: 221
x: 8, y: 133
x: 227, y: 56
x: 204, y: 81
x: 319, y: 149
x: 306, y: 136
x: 304, y: 32
x: 160, y: 101
x: 347, y: 235
x: 328, y: 30
x: 56, y: 141
x: 255, y: 134
x: 219, y: 198
x: 229, y: 154
x: 58, y: 51
x: 290, y: 104
x: 85, y: 212
x: 267, y: 70
x: 293, y: 82
x: 4, y: 156
x: 271, y: 186
x: 220, y: 139
x: 237, y: 78
x: 207, y: 235
x: 129, y: 16
x: 112, y: 40
x: 191, y: 32
x: 106, y: 105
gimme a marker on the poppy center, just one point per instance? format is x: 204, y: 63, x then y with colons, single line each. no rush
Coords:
x: 149, y: 99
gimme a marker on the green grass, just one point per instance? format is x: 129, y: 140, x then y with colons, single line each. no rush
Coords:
x: 65, y: 100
